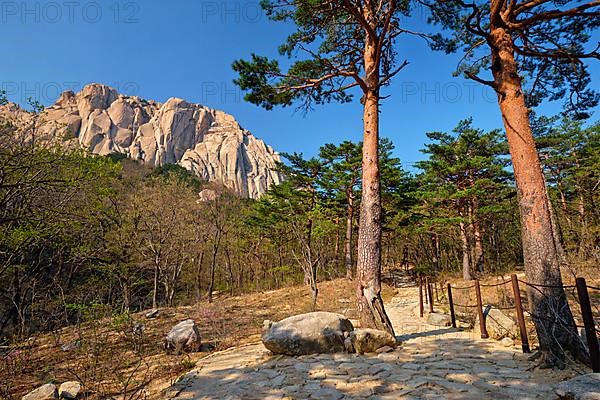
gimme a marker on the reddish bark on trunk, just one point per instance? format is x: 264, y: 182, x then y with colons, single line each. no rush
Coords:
x: 551, y: 313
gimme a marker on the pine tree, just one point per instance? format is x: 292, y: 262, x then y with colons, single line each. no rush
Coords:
x: 569, y: 153
x: 342, y: 179
x: 465, y: 170
x: 346, y: 45
x: 530, y: 50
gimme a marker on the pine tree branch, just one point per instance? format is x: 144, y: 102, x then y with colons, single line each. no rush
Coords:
x: 579, y: 11
x: 476, y: 78
x: 556, y: 53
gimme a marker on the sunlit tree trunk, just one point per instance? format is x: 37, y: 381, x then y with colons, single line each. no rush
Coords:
x: 348, y: 238
x: 551, y: 313
x: 368, y: 268
x: 466, y: 265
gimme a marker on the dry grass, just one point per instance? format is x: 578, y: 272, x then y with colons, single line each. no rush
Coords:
x: 112, y: 361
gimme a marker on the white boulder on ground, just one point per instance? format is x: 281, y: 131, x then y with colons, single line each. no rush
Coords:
x: 69, y: 390
x: 366, y: 340
x: 44, y: 392
x: 583, y: 387
x: 315, y: 332
x: 184, y: 336
x: 498, y: 324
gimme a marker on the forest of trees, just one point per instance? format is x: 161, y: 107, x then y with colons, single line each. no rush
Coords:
x: 79, y: 230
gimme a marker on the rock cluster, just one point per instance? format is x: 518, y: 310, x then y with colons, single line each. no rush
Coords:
x: 44, y: 392
x: 67, y: 390
x: 208, y: 142
x: 322, y: 333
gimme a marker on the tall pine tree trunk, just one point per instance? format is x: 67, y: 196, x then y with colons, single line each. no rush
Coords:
x: 336, y: 249
x: 552, y: 316
x: 477, y: 241
x: 370, y: 304
x: 466, y: 265
x: 348, y: 239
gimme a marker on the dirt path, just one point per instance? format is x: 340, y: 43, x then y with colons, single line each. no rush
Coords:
x: 432, y: 362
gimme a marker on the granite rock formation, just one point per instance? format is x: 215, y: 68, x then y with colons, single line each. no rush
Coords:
x: 208, y: 142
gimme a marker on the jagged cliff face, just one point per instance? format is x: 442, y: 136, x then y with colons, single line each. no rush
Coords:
x: 208, y: 142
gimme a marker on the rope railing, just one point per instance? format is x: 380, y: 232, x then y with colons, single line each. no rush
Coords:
x: 539, y: 285
x: 579, y: 292
x: 463, y: 288
x: 494, y: 284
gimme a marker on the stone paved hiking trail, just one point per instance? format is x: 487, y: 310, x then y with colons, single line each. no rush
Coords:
x: 431, y: 363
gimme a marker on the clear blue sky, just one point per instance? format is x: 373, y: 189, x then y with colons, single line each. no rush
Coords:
x: 184, y: 48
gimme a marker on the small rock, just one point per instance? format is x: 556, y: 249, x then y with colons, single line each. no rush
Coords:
x: 69, y: 390
x: 366, y: 340
x: 384, y: 349
x: 44, y: 392
x: 184, y: 336
x: 507, y: 342
x: 437, y: 319
x: 71, y: 346
x: 138, y: 329
x: 344, y: 301
x: 154, y: 313
x: 498, y: 324
x: 583, y: 387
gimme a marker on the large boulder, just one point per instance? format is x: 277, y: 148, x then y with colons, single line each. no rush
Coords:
x: 498, y: 324
x: 315, y: 332
x: 366, y: 340
x: 44, y: 392
x: 184, y: 336
x: 583, y: 387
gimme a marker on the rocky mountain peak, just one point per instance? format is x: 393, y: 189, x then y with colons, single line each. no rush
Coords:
x: 208, y: 142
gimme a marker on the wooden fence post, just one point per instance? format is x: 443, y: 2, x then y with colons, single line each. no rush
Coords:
x: 520, y: 316
x: 484, y: 333
x: 426, y: 290
x: 588, y: 322
x: 421, y: 296
x: 451, y: 303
